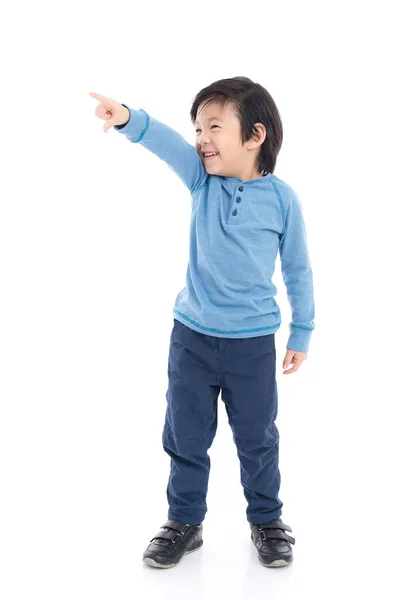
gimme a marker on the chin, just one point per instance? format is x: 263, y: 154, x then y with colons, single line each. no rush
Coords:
x: 210, y: 167
x: 213, y: 170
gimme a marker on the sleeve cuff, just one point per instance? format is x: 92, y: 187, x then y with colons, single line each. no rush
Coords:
x: 137, y: 125
x: 299, y: 339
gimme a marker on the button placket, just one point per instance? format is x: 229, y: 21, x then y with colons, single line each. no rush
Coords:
x: 237, y: 199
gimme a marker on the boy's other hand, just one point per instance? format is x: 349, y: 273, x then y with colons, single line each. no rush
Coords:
x: 295, y: 358
x: 111, y: 111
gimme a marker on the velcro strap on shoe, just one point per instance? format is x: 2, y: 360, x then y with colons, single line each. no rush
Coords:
x: 275, y: 525
x: 175, y: 530
x: 276, y: 534
x: 166, y: 534
x: 176, y: 526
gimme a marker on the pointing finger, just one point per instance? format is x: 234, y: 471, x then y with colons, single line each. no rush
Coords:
x: 98, y: 96
x: 109, y: 103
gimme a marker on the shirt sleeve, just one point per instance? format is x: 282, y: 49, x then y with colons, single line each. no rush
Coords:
x: 297, y: 275
x: 167, y: 144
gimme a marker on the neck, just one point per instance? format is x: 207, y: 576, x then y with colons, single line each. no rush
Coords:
x: 247, y: 174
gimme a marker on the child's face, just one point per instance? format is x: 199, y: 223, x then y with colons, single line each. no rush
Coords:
x: 217, y: 129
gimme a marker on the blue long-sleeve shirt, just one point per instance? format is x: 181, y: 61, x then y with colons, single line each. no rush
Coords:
x: 237, y: 228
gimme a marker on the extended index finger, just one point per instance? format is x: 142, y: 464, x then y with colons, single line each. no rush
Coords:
x: 98, y: 96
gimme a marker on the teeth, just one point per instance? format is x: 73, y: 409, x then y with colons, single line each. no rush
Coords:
x: 211, y: 153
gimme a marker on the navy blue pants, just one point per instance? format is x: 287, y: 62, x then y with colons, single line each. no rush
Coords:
x: 244, y: 371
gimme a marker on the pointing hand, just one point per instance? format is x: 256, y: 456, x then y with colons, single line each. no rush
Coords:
x: 111, y: 111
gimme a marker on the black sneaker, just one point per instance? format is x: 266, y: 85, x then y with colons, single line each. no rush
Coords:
x: 273, y: 543
x: 171, y: 543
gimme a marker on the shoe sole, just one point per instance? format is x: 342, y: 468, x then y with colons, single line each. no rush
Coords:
x: 276, y: 563
x: 152, y: 563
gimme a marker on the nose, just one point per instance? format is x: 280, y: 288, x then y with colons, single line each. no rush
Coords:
x: 203, y: 139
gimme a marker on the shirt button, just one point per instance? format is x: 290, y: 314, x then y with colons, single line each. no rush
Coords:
x: 241, y: 188
x: 235, y: 212
x: 238, y: 199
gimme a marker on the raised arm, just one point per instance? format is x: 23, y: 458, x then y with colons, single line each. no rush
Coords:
x: 167, y: 144
x: 161, y: 140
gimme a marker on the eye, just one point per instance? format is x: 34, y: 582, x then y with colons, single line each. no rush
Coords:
x: 211, y: 127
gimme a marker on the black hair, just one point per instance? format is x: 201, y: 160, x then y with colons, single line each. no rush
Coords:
x: 251, y: 104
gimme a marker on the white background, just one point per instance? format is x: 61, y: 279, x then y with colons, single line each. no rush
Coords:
x: 94, y: 237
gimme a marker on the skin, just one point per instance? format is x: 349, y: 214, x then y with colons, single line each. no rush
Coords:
x: 294, y: 359
x: 235, y: 159
x: 217, y: 128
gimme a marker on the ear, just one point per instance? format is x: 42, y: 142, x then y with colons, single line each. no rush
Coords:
x: 257, y: 138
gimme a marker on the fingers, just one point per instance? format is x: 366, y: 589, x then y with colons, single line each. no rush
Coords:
x: 100, y: 111
x: 288, y: 358
x: 109, y: 124
x: 286, y: 366
x: 295, y: 364
x: 106, y: 110
x: 292, y: 370
x: 108, y: 103
x: 294, y: 360
x: 98, y: 96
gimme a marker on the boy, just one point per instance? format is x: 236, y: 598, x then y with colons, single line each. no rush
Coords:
x: 225, y: 319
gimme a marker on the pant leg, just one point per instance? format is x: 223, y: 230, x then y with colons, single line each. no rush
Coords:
x: 249, y: 391
x: 190, y: 421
